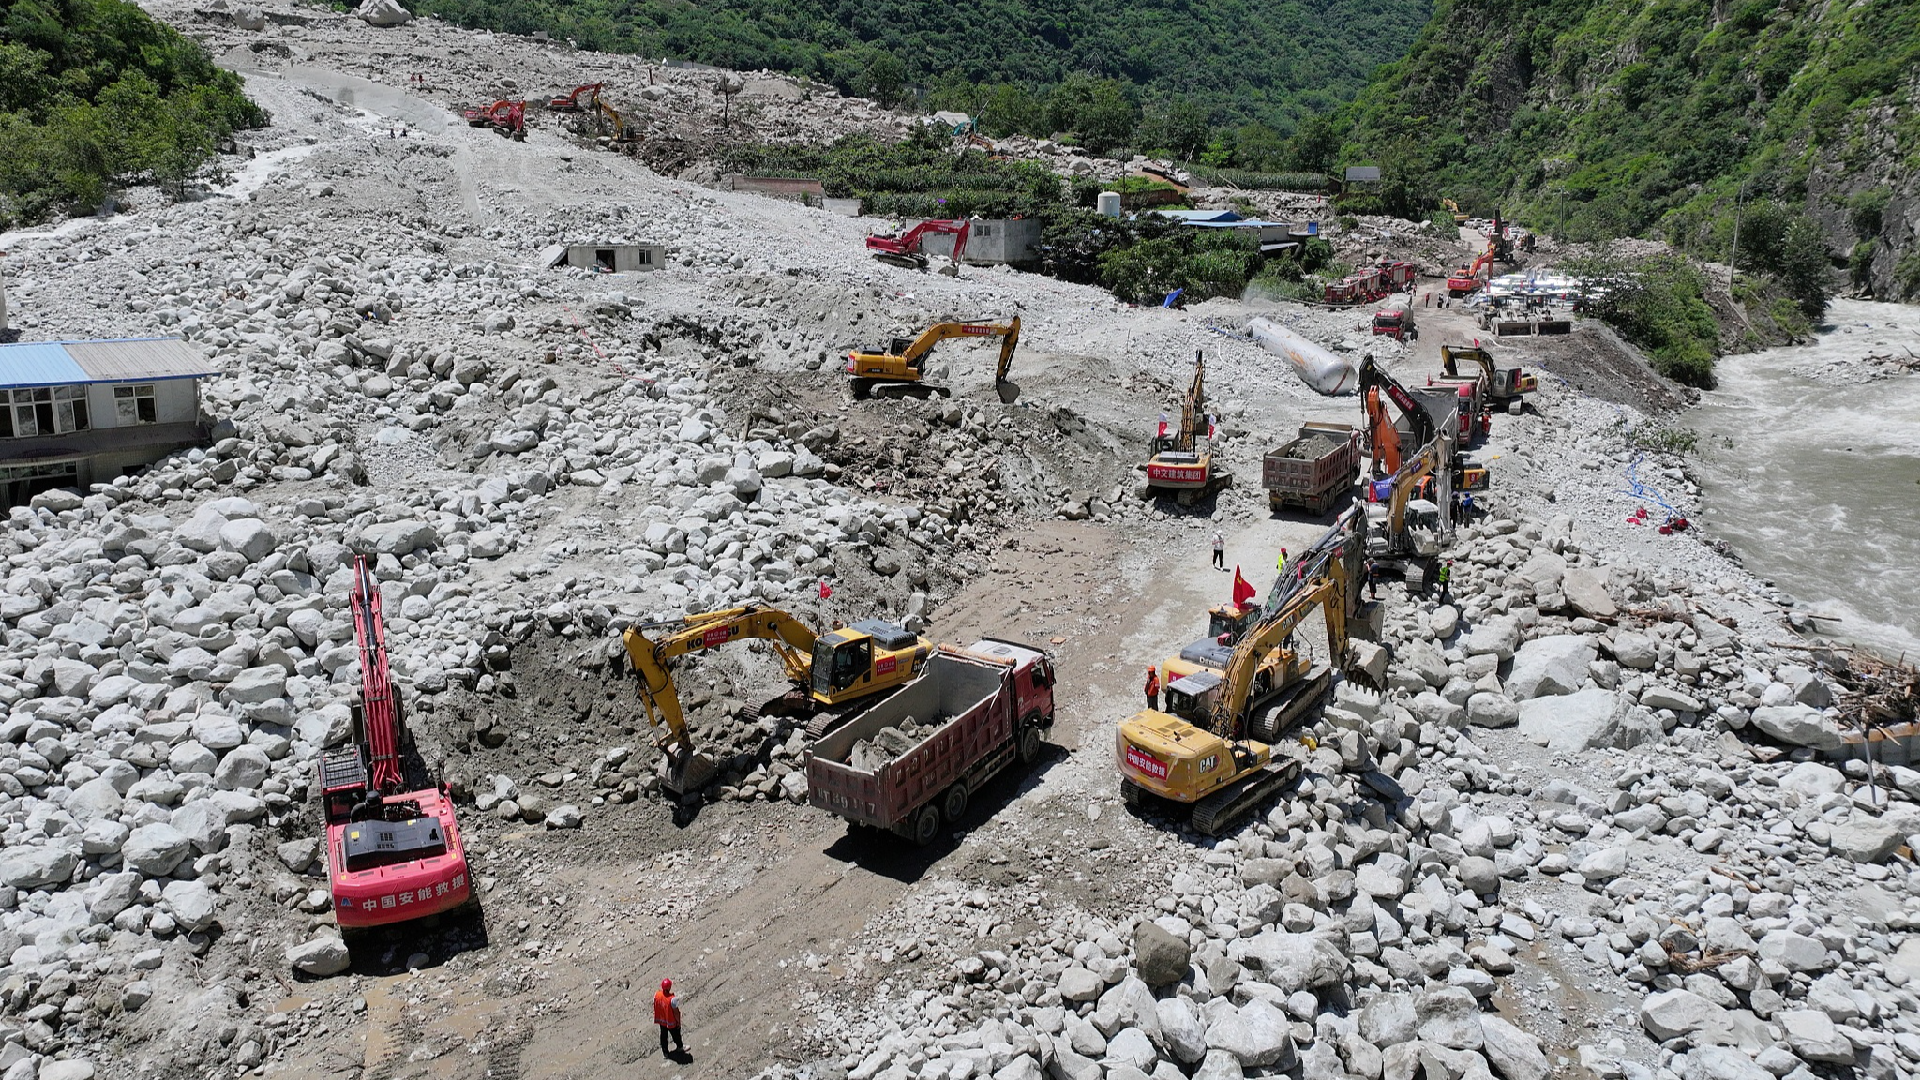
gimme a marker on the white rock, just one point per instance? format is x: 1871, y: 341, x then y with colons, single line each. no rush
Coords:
x: 1814, y: 1036
x: 191, y: 903
x: 1586, y: 720
x: 70, y: 1069
x: 324, y: 955
x: 1635, y: 651
x: 1256, y: 1034
x: 37, y: 866
x: 1490, y: 710
x: 1514, y: 1053
x: 389, y: 13
x: 249, y: 537
x: 1500, y: 637
x: 1663, y: 697
x: 244, y: 768
x: 1550, y: 665
x: 154, y: 850
x: 258, y: 684
x: 1797, y: 725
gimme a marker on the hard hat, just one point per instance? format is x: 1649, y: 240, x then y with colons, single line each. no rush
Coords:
x: 666, y: 984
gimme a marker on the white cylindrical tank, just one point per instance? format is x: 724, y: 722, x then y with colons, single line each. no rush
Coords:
x: 1318, y: 368
x: 1108, y: 204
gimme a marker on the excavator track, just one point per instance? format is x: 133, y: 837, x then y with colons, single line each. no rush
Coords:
x: 905, y: 262
x: 1271, y: 718
x: 1220, y: 810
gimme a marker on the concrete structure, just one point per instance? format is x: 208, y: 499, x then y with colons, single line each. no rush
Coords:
x: 990, y: 240
x: 75, y: 413
x: 608, y: 258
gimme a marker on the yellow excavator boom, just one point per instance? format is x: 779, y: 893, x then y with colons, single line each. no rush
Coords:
x: 906, y: 364
x: 1328, y: 593
x: 789, y: 637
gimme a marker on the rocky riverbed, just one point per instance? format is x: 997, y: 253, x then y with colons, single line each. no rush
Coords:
x: 1594, y: 824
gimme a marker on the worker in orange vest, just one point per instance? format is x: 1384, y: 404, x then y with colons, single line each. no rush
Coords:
x: 666, y: 1013
x: 1153, y: 688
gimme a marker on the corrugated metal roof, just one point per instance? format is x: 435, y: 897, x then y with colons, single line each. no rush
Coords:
x: 38, y: 363
x: 65, y: 363
x: 139, y: 358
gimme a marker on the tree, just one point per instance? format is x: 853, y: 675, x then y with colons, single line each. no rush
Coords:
x: 1257, y: 146
x: 1178, y: 128
x: 1097, y: 110
x: 1315, y: 146
x: 1012, y: 110
x: 885, y: 77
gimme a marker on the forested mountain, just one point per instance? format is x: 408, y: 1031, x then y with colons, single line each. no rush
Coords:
x: 94, y: 93
x: 1621, y: 117
x: 1228, y: 62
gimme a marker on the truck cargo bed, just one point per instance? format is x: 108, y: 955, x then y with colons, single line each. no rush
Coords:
x: 873, y: 772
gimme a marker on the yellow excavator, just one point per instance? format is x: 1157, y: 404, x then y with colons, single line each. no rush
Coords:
x: 1404, y: 533
x: 1212, y: 754
x: 1176, y: 462
x: 903, y: 365
x: 1505, y: 385
x: 830, y: 673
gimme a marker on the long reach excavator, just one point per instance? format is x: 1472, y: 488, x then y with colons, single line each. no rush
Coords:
x: 830, y: 673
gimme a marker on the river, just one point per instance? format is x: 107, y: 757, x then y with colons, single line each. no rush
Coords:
x: 1811, y: 471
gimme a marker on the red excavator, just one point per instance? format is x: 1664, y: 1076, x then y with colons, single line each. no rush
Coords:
x: 509, y: 118
x: 903, y: 249
x: 393, y: 848
x: 572, y: 102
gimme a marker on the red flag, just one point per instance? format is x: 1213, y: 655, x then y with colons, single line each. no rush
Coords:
x: 1210, y: 427
x: 1163, y: 426
x: 1242, y: 590
x: 825, y: 589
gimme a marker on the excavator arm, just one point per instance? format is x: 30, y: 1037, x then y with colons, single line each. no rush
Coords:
x: 1374, y: 382
x: 1325, y: 591
x: 1195, y: 401
x: 1005, y: 366
x: 649, y: 656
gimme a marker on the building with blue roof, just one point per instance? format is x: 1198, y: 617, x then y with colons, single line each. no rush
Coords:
x: 1274, y: 235
x: 76, y: 413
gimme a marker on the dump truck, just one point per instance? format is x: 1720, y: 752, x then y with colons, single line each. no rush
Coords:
x: 1313, y: 470
x: 910, y: 763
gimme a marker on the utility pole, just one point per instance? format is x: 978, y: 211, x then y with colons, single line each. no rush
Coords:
x: 1562, y: 235
x: 1738, y: 198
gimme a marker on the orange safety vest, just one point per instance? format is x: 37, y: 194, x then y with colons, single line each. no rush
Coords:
x: 666, y: 1009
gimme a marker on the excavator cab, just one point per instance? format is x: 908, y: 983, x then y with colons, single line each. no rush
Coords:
x: 847, y: 662
x: 1231, y: 620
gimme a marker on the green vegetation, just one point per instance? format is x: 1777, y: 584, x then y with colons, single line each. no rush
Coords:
x: 918, y: 177
x: 1662, y: 439
x: 1659, y: 304
x: 94, y: 95
x: 1603, y: 118
x: 1227, y: 78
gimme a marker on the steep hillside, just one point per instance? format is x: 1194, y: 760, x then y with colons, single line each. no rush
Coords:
x: 1271, y: 61
x: 1605, y: 118
x: 94, y: 93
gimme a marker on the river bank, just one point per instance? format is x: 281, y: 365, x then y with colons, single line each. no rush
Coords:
x: 1808, y: 459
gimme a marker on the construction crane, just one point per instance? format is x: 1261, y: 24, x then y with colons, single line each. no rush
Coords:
x: 903, y: 365
x: 393, y: 847
x: 1211, y: 754
x: 903, y: 249
x: 1175, y: 463
x: 830, y: 673
x: 1507, y: 385
x: 571, y: 103
x: 509, y: 118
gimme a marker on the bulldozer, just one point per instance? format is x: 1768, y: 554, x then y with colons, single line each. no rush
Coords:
x: 831, y: 673
x: 1212, y: 754
x: 1176, y: 462
x: 1507, y: 385
x: 902, y: 368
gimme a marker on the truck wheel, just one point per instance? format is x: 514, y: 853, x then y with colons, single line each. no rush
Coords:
x: 953, y: 805
x: 926, y: 825
x: 1029, y: 749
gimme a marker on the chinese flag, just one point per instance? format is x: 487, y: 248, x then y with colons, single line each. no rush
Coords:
x: 1242, y: 591
x: 825, y: 589
x: 1163, y: 425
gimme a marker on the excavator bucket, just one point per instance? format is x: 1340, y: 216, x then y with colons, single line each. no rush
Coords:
x: 685, y: 771
x: 1008, y: 390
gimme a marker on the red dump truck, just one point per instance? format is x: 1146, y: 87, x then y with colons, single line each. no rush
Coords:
x: 1313, y: 470
x: 910, y: 763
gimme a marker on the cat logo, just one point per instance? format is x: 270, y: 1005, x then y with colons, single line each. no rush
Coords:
x: 1207, y: 763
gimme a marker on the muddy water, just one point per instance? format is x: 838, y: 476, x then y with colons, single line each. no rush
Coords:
x: 1811, y: 471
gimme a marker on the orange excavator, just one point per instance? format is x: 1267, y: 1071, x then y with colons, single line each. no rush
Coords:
x: 571, y: 103
x: 903, y: 249
x: 1466, y: 279
x: 509, y: 118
